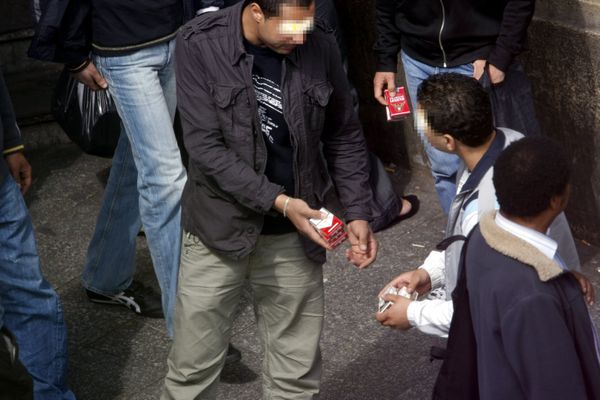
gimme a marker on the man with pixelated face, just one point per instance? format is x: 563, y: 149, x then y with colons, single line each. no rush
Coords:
x: 261, y: 91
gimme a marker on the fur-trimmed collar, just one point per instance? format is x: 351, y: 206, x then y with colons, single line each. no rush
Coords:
x: 514, y: 247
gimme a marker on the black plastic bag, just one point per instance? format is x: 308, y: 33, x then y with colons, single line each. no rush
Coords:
x: 89, y: 118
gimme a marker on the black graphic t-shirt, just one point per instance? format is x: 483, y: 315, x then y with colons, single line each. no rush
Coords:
x: 266, y: 75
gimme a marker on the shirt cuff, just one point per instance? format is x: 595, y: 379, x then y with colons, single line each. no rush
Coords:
x: 13, y: 150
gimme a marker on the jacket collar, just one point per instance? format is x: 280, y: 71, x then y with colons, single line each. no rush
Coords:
x: 486, y: 162
x: 238, y: 50
x: 511, y: 246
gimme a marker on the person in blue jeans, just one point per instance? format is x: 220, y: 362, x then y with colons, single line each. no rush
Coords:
x: 127, y: 49
x: 479, y: 38
x: 29, y: 307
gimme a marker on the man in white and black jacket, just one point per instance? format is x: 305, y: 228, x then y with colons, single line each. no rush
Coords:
x: 462, y: 36
x: 455, y: 113
x: 535, y: 338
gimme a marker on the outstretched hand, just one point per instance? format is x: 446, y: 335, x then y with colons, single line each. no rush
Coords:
x: 363, y: 243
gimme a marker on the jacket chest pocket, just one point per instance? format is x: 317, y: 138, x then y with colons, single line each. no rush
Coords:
x: 234, y: 111
x: 316, y: 98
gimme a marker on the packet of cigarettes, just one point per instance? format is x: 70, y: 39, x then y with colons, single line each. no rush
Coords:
x: 331, y: 228
x: 384, y: 305
x: 397, y: 107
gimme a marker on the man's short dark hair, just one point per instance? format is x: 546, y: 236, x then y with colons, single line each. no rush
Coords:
x: 528, y: 174
x: 271, y: 7
x: 457, y: 105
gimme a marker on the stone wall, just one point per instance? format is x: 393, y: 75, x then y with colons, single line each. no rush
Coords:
x: 564, y: 66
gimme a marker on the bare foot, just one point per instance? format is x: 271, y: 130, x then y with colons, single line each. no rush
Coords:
x: 406, y: 207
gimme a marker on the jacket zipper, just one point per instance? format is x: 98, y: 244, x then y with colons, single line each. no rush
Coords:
x: 441, y: 31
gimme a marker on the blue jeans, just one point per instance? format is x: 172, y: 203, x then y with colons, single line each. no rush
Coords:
x: 146, y: 178
x: 29, y: 307
x: 444, y: 166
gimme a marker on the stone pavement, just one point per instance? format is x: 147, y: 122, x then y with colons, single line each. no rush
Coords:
x: 117, y: 355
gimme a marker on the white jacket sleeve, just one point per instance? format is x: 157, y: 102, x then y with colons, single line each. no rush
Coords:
x: 434, y: 264
x: 431, y: 316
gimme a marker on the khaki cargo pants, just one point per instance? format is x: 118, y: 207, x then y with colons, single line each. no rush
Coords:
x: 288, y: 294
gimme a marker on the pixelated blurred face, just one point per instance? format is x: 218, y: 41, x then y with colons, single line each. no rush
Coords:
x: 437, y: 140
x: 283, y: 32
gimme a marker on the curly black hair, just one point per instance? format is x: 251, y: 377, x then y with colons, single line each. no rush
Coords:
x: 457, y: 105
x: 271, y: 7
x: 528, y: 174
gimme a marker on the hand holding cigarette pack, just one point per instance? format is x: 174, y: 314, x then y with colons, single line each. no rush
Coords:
x: 384, y: 305
x: 331, y: 228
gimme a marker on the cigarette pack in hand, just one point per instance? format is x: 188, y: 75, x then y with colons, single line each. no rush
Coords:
x: 397, y: 107
x: 384, y: 305
x: 331, y: 228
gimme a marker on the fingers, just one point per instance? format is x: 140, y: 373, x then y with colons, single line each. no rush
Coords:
x: 299, y: 213
x: 496, y: 75
x: 99, y: 79
x: 91, y: 77
x: 587, y: 289
x: 591, y: 297
x: 25, y: 180
x: 362, y: 259
x: 381, y: 81
x: 478, y: 67
x: 363, y: 244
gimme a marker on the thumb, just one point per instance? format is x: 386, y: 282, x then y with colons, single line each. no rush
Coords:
x: 362, y: 240
x: 412, y: 285
x: 99, y: 79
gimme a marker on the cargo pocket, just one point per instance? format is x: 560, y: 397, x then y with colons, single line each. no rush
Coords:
x: 233, y: 110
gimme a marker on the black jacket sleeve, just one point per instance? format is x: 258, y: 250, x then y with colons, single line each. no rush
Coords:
x: 204, y: 138
x: 344, y: 145
x: 63, y: 33
x: 513, y: 33
x: 387, y: 45
x: 11, y: 136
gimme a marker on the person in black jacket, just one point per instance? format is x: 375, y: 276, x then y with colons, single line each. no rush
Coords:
x: 29, y: 307
x: 387, y: 208
x: 534, y: 334
x: 260, y: 91
x: 480, y: 38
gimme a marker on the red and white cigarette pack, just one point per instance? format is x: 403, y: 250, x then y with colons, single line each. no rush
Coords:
x: 397, y: 107
x: 331, y: 228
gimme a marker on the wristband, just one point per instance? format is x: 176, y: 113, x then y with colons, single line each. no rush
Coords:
x: 285, y: 206
x: 80, y: 67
